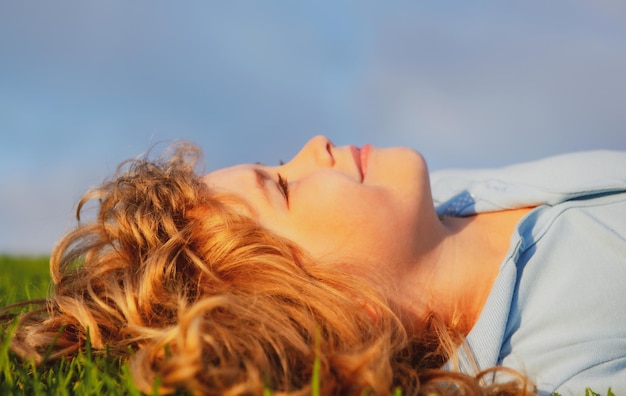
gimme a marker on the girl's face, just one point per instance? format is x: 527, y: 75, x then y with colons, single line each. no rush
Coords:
x: 369, y: 207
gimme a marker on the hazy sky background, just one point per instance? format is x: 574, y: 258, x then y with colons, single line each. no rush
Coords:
x: 86, y: 84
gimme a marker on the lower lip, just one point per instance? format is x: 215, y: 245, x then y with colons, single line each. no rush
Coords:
x: 365, y: 153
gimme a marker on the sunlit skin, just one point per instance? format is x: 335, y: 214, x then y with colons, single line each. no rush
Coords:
x: 371, y: 209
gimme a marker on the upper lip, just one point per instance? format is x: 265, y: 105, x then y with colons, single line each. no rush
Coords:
x: 356, y: 154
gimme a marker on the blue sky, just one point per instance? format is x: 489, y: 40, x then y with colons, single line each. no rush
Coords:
x: 84, y: 85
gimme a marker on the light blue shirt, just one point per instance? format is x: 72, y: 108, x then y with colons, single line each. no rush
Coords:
x: 557, y: 310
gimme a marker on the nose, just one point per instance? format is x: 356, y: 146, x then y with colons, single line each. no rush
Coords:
x: 317, y: 152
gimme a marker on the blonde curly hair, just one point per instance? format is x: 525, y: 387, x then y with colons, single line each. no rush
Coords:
x: 169, y: 276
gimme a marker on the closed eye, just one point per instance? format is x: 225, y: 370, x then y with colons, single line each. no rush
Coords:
x: 283, y: 186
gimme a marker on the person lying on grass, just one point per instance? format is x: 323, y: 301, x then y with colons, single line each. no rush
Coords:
x: 355, y: 265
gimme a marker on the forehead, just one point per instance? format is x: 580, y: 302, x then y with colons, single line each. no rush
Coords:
x: 234, y: 179
x: 243, y: 181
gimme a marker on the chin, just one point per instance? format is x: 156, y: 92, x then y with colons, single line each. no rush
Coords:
x: 410, y: 161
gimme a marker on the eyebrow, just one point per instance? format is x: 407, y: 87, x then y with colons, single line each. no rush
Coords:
x: 261, y: 179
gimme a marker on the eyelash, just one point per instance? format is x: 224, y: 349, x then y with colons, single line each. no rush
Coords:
x: 283, y: 186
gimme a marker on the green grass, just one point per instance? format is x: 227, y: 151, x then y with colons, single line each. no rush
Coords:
x: 28, y: 278
x: 23, y: 278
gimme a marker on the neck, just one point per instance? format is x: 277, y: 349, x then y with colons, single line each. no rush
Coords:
x: 454, y: 279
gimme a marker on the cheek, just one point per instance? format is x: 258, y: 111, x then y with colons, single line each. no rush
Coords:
x: 343, y: 222
x: 334, y: 202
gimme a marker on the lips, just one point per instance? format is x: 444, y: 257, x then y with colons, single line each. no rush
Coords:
x: 364, y: 157
x: 360, y: 159
x: 356, y: 154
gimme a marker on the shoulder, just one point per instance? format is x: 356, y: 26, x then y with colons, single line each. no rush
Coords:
x: 567, y: 324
